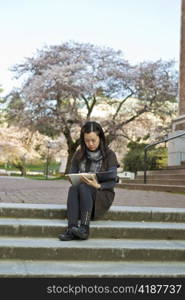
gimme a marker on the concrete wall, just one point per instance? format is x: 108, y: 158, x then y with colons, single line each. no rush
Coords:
x: 176, y: 149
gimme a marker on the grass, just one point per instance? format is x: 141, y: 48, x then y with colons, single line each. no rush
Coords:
x: 53, y: 166
x: 183, y: 193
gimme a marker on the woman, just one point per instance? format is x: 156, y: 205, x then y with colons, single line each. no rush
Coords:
x: 91, y: 198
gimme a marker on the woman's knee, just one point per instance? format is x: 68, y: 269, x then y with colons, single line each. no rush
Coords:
x: 73, y: 188
x: 83, y: 187
x: 72, y: 192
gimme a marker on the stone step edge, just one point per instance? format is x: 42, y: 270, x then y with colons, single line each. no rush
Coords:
x: 55, y: 211
x: 92, y: 249
x: 154, y: 187
x: 38, y: 268
x: 159, y: 174
x: 155, y: 177
x: 160, y: 183
x: 105, y: 224
x: 95, y: 254
x: 154, y: 181
x: 93, y: 243
x: 147, y: 184
x: 98, y: 229
x: 38, y: 206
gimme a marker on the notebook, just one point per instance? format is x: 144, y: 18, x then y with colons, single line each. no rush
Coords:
x: 75, y: 177
x: 100, y: 176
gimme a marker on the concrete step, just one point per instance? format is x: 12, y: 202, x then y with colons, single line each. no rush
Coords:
x: 119, y: 213
x: 92, y: 249
x: 163, y: 176
x: 180, y: 170
x: 181, y: 166
x: 153, y: 187
x: 99, y: 229
x: 155, y: 181
x: 74, y: 269
x: 129, y: 241
x: 29, y: 210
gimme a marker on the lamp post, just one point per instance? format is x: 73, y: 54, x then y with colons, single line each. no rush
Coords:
x: 24, y: 165
x: 47, y: 158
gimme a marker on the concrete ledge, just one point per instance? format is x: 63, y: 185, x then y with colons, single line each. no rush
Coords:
x: 54, y: 211
x: 27, y: 210
x: 92, y: 249
x: 161, y: 177
x: 99, y: 229
x: 153, y: 187
x: 159, y: 181
x: 28, y: 268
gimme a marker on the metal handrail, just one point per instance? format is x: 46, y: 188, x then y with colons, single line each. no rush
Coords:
x: 154, y: 144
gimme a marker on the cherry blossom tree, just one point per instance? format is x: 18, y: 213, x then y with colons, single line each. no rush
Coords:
x: 65, y: 84
x: 22, y: 146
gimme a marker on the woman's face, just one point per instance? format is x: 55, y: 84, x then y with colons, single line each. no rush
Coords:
x: 91, y: 140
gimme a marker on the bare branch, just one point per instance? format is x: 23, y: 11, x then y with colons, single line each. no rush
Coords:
x: 121, y: 104
x: 91, y: 107
x: 86, y: 102
x: 139, y: 113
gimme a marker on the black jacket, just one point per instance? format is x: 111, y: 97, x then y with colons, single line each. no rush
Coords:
x: 105, y: 195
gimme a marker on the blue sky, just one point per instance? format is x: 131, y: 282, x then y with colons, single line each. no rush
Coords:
x: 142, y: 29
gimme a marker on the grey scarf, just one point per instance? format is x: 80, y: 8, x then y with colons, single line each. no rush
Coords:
x: 92, y: 163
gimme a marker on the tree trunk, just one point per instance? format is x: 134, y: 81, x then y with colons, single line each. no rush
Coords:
x: 71, y: 151
x: 21, y: 168
x: 68, y: 164
x: 23, y: 171
x: 72, y: 146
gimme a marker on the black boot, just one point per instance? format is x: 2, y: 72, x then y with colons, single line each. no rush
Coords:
x: 67, y: 235
x: 82, y: 232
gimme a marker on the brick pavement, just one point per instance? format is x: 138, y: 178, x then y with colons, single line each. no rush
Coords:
x: 23, y: 190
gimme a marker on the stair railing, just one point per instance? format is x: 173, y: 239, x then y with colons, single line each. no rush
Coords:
x: 164, y: 140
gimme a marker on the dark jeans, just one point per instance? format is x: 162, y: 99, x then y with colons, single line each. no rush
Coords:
x: 80, y: 203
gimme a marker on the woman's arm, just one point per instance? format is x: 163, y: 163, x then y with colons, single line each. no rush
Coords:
x: 111, y: 183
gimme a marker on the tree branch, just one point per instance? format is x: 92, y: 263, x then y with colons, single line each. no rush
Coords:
x: 140, y: 112
x: 120, y: 105
x: 91, y: 107
x: 86, y: 102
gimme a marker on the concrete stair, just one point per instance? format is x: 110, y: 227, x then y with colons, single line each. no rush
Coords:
x: 139, y: 242
x: 171, y: 179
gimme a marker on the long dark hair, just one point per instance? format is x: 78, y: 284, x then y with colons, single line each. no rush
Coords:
x: 88, y: 127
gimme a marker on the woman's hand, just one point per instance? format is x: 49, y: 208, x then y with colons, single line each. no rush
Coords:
x: 91, y: 181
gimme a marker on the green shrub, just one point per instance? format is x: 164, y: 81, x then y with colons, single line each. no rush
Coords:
x: 134, y: 159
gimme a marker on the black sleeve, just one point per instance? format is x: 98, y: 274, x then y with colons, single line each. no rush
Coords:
x: 111, y: 183
x: 112, y: 160
x: 112, y: 166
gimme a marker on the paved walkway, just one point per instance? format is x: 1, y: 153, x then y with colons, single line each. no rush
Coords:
x: 23, y: 190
